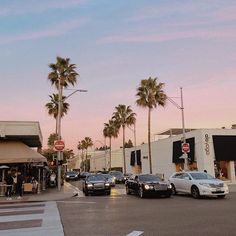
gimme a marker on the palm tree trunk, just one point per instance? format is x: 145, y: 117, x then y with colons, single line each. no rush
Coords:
x: 110, y: 153
x: 86, y: 160
x: 149, y: 140
x: 124, y: 149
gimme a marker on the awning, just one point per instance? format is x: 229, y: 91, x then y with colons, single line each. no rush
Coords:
x: 17, y: 152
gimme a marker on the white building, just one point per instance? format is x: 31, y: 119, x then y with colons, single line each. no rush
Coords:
x: 213, y: 150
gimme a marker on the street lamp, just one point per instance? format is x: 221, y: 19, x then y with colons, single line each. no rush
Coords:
x: 58, y: 128
x: 181, y: 107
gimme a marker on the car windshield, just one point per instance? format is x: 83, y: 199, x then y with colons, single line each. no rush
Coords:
x: 71, y: 173
x: 96, y: 178
x: 201, y: 176
x: 107, y: 176
x: 118, y: 174
x: 149, y: 178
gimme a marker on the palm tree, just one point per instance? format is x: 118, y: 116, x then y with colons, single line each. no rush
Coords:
x: 64, y: 72
x: 86, y: 143
x: 124, y: 116
x: 80, y: 147
x: 52, y: 107
x: 62, y: 75
x: 150, y: 94
x: 110, y: 131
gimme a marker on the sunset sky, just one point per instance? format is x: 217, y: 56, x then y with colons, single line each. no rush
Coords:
x: 116, y: 44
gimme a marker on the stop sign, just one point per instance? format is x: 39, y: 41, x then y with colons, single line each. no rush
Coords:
x: 185, y: 147
x: 59, y: 145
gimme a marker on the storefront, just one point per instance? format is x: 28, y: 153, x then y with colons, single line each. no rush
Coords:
x: 19, y: 145
x: 213, y: 150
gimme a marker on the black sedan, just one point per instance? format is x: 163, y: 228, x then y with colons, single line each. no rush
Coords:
x: 71, y: 175
x: 96, y: 184
x: 147, y: 184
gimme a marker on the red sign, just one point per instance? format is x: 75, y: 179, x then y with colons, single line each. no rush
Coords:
x: 185, y: 147
x: 59, y: 145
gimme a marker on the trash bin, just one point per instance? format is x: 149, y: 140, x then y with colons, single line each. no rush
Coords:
x: 3, y: 189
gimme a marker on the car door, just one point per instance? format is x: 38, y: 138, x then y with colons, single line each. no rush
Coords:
x: 185, y: 184
x: 130, y: 183
x: 176, y: 180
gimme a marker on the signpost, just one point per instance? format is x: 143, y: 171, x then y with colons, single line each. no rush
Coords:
x: 59, y: 145
x: 185, y: 148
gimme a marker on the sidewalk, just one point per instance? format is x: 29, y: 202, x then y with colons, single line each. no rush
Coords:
x: 50, y: 194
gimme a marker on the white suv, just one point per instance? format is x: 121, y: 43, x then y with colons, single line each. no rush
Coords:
x: 198, y: 184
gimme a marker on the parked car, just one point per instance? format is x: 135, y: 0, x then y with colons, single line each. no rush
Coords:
x: 198, y: 184
x: 118, y: 175
x: 127, y: 176
x: 147, y: 184
x: 110, y: 179
x: 71, y: 175
x: 83, y: 175
x: 96, y: 183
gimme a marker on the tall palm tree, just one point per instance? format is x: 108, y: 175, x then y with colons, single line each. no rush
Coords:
x: 62, y: 75
x: 124, y: 116
x: 110, y: 131
x: 150, y: 94
x: 80, y: 147
x: 64, y: 72
x: 86, y: 143
x: 52, y: 106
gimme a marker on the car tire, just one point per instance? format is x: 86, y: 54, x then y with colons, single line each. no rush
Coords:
x: 141, y: 192
x: 168, y: 195
x: 195, y: 192
x: 221, y: 196
x: 108, y: 193
x: 85, y: 192
x: 174, y: 192
x: 127, y: 190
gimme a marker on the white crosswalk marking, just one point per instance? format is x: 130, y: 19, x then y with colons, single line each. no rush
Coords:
x: 30, y: 219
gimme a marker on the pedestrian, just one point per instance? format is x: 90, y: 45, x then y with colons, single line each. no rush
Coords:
x: 9, y: 181
x: 19, y: 185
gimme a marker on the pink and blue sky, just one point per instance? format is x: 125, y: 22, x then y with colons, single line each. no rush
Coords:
x: 116, y: 44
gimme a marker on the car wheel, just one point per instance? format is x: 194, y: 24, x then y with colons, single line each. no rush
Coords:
x: 195, y: 192
x: 168, y: 195
x: 127, y: 190
x: 141, y: 192
x: 221, y: 196
x: 86, y: 193
x: 108, y: 193
x: 174, y: 192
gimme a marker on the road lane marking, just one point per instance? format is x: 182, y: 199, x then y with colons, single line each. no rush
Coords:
x: 135, y: 233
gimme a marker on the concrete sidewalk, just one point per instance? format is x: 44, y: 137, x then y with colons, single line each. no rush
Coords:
x: 50, y: 194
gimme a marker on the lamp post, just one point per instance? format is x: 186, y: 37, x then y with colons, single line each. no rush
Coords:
x: 181, y: 107
x: 58, y: 128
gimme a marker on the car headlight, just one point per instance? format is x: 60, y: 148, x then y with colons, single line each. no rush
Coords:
x: 89, y: 185
x: 107, y: 184
x: 205, y: 185
x: 146, y: 186
x: 169, y: 186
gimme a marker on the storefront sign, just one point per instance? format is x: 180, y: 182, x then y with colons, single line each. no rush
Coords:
x: 206, y: 144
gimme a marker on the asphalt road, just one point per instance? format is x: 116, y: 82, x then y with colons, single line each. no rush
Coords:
x: 123, y: 215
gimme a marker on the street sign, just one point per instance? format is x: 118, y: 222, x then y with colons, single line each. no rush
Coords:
x: 185, y: 148
x: 59, y: 145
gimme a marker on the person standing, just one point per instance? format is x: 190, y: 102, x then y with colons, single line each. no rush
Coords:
x: 9, y: 181
x: 19, y: 185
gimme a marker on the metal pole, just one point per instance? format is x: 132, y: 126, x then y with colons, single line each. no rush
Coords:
x: 105, y: 155
x: 136, y: 160
x: 59, y: 134
x: 185, y: 156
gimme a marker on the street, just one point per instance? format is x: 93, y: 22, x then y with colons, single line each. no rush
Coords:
x: 122, y: 215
